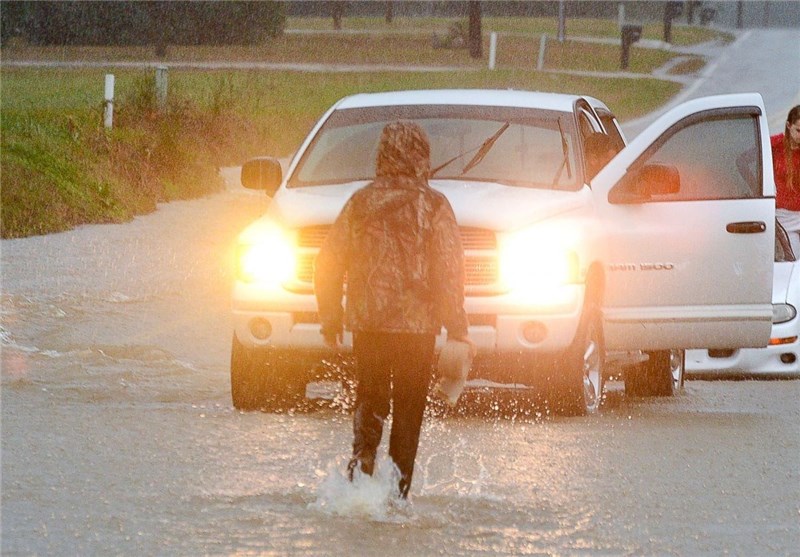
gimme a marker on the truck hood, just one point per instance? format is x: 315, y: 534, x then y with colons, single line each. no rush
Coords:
x: 476, y: 204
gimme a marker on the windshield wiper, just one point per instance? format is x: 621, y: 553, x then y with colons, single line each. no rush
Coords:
x: 565, y: 160
x: 483, y: 149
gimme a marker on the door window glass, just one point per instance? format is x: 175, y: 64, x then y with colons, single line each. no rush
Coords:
x: 716, y: 158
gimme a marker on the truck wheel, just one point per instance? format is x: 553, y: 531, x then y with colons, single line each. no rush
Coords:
x: 261, y: 380
x: 660, y: 375
x: 579, y: 381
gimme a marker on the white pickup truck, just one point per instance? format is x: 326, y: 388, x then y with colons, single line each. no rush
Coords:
x: 668, y: 247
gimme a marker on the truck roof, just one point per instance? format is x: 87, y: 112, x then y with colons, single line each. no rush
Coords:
x: 480, y: 97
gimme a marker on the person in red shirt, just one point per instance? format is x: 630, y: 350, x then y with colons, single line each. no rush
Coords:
x: 786, y: 163
x: 786, y: 166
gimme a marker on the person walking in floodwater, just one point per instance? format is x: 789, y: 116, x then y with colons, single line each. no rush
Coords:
x: 397, y: 242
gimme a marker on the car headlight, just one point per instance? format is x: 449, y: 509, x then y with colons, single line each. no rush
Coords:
x: 267, y: 257
x: 530, y: 262
x: 781, y: 313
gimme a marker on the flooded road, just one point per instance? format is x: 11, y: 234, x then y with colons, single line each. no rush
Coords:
x: 118, y: 435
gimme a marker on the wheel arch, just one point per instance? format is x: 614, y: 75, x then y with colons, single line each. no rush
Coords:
x: 595, y: 284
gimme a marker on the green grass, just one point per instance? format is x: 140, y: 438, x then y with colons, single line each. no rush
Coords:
x: 48, y: 183
x: 60, y: 168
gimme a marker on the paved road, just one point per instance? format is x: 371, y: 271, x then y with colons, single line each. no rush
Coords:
x: 763, y: 60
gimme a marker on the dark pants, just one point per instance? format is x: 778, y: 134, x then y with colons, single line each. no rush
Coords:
x: 394, y: 367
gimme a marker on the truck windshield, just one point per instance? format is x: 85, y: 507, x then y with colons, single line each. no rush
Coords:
x: 531, y: 151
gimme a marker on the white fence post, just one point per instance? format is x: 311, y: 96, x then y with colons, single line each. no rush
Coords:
x: 492, y: 50
x: 161, y: 88
x: 542, y: 46
x: 108, y: 102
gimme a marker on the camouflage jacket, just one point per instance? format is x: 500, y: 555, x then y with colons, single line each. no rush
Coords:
x: 397, y: 242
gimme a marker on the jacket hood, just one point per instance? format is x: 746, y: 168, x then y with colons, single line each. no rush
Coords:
x: 403, y: 151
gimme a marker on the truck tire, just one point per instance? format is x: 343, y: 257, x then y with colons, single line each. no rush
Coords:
x: 661, y: 375
x: 578, y: 382
x: 262, y: 380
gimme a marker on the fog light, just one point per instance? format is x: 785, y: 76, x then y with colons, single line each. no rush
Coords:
x: 781, y: 313
x: 534, y: 331
x: 788, y: 358
x: 260, y: 328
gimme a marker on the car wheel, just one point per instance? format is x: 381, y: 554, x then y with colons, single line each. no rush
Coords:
x: 262, y: 380
x: 579, y: 383
x: 661, y: 375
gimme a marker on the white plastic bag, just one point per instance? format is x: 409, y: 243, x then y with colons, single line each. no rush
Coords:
x: 455, y: 360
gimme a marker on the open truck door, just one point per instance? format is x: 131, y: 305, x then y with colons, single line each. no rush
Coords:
x: 690, y: 214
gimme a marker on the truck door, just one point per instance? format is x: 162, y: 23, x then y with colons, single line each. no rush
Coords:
x: 687, y: 212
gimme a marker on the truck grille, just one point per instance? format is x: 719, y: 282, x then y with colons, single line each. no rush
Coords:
x: 477, y: 238
x: 481, y: 269
x: 312, y: 236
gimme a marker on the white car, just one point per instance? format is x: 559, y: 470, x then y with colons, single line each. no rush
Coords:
x: 562, y: 266
x: 780, y: 357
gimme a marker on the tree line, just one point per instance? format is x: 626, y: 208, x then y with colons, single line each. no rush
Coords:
x: 103, y: 23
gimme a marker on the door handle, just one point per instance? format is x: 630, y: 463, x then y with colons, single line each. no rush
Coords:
x: 752, y: 227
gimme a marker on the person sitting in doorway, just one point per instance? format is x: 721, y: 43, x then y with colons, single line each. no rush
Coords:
x: 599, y: 149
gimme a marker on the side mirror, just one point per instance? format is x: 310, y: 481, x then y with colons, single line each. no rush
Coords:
x: 642, y: 184
x: 263, y: 173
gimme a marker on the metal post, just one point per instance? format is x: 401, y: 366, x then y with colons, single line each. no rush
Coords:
x: 492, y: 50
x: 739, y: 14
x: 562, y: 24
x: 108, y: 102
x: 542, y: 46
x: 161, y: 88
x: 620, y: 15
x: 475, y: 36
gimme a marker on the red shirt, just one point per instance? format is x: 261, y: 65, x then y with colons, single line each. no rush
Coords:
x: 784, y: 197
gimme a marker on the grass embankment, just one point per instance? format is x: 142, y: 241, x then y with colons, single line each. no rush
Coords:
x: 60, y: 168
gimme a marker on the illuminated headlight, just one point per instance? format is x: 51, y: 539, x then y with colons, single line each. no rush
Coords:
x: 267, y: 257
x: 529, y: 262
x: 781, y: 313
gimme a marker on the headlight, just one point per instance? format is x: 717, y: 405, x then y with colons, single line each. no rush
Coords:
x: 267, y: 257
x: 781, y: 313
x: 530, y: 262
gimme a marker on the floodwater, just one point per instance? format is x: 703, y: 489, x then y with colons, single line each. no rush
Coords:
x: 118, y: 435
